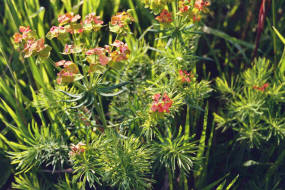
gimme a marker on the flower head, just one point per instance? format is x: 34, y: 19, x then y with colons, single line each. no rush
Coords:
x: 156, y: 98
x: 92, y: 22
x: 67, y: 74
x: 121, y: 19
x: 161, y: 105
x: 119, y: 22
x: 183, y: 6
x: 27, y: 42
x: 70, y: 49
x: 185, y: 76
x: 68, y: 18
x: 24, y: 35
x: 24, y: 29
x: 121, y: 53
x: 93, y: 19
x: 56, y: 31
x: 164, y: 17
x: 17, y: 37
x: 201, y: 4
x: 77, y: 149
x: 261, y: 88
x: 33, y: 46
x: 101, y: 53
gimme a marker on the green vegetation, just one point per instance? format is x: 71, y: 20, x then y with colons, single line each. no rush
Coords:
x: 152, y: 94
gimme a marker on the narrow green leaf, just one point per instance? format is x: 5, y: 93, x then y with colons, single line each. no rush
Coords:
x: 212, y: 185
x: 279, y: 35
x: 11, y: 112
x: 202, y: 143
x: 232, y: 182
x: 227, y: 37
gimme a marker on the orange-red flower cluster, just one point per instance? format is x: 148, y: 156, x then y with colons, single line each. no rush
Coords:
x: 185, y: 76
x: 161, y: 104
x: 68, y: 18
x: 93, y: 22
x: 71, y: 26
x: 31, y: 46
x: 55, y: 31
x: 119, y: 22
x: 25, y: 34
x: 164, y: 17
x: 121, y: 53
x: 121, y: 19
x: 201, y: 4
x: 184, y: 6
x: 101, y: 53
x: 67, y: 74
x: 93, y: 19
x: 194, y: 12
x: 77, y: 149
x: 105, y: 55
x: 262, y: 88
x: 70, y: 49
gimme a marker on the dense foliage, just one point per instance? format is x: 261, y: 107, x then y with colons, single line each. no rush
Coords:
x: 151, y: 94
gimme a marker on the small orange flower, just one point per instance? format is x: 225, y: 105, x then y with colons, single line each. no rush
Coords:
x: 33, y: 46
x: 164, y: 17
x: 71, y: 49
x: 201, y: 4
x: 24, y: 29
x: 196, y: 18
x: 101, y: 52
x: 262, y: 88
x: 77, y: 149
x: 183, y: 6
x: 161, y: 105
x: 17, y: 37
x: 68, y: 49
x: 93, y: 19
x: 121, y: 19
x: 67, y: 74
x: 25, y: 34
x: 121, y: 53
x: 185, y: 76
x: 184, y: 9
x: 68, y: 18
x: 119, y: 22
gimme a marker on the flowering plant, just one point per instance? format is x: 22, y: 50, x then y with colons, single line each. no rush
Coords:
x: 115, y: 102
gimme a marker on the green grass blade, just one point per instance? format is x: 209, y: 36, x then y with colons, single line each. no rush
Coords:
x: 202, y: 143
x: 227, y: 37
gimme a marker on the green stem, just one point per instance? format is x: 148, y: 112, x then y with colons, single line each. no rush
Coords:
x: 187, y: 122
x: 274, y: 35
x: 103, y: 118
x: 170, y: 179
x: 100, y: 110
x: 87, y: 135
x: 183, y: 181
x: 132, y: 6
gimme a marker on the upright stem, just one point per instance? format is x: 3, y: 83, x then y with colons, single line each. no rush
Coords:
x: 170, y: 179
x: 100, y: 111
x: 187, y: 123
x: 274, y: 35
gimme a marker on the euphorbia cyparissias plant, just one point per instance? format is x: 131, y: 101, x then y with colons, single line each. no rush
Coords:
x: 114, y: 153
x: 87, y: 65
x: 29, y: 44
